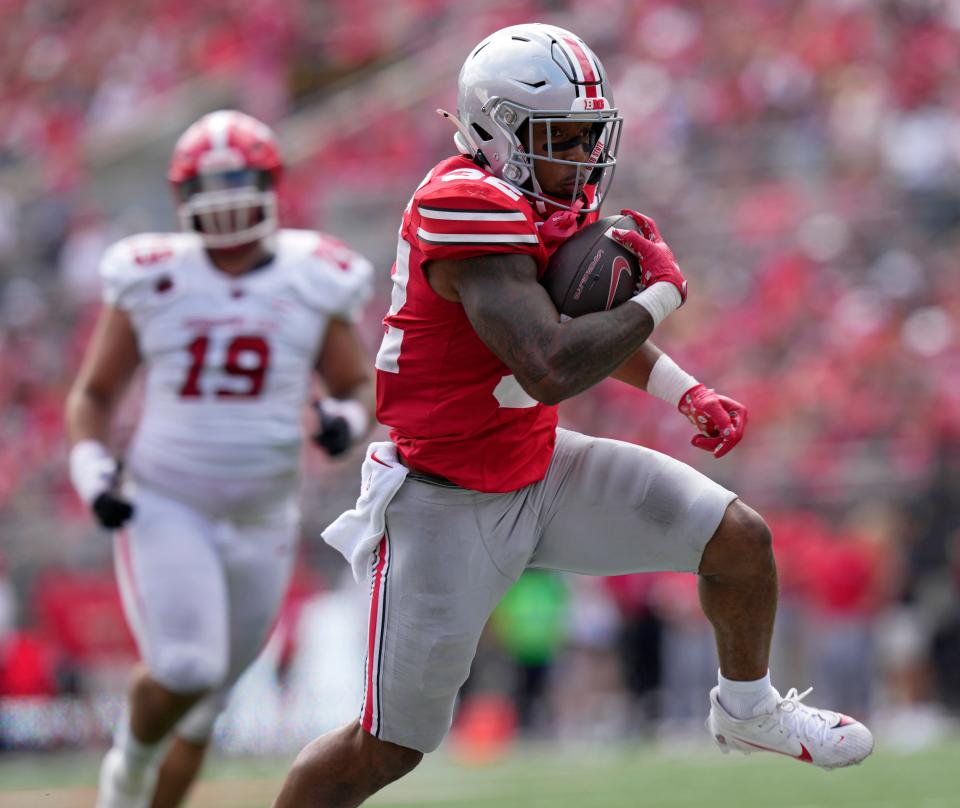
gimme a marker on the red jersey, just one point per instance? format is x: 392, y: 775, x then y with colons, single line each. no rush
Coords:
x: 455, y: 410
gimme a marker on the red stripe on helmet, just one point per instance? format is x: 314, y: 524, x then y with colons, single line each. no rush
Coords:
x: 186, y: 154
x: 586, y: 66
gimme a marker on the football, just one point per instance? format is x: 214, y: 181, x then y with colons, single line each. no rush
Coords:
x: 590, y: 271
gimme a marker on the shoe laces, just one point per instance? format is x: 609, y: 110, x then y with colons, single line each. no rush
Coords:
x: 800, y: 719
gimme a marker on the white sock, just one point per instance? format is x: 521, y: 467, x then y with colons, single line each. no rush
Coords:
x: 742, y: 699
x: 138, y: 757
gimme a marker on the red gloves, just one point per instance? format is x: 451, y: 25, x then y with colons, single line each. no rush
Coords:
x: 656, y: 260
x: 720, y: 420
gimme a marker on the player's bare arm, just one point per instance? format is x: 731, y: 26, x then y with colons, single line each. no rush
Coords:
x: 635, y: 370
x: 343, y: 365
x: 515, y: 318
x: 108, y: 366
x: 346, y: 415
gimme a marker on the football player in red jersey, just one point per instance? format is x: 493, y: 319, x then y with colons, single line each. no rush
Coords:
x: 230, y: 318
x: 477, y: 482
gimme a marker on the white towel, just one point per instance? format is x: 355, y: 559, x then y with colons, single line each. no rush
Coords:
x: 355, y: 533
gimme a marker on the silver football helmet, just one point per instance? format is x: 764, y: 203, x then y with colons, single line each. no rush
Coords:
x: 526, y: 75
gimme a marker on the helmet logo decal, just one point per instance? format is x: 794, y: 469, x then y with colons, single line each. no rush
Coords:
x: 581, y: 104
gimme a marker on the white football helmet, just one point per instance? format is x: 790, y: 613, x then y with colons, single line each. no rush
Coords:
x: 224, y: 171
x: 536, y: 74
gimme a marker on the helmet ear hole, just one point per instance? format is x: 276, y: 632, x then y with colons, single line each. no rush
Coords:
x: 485, y: 136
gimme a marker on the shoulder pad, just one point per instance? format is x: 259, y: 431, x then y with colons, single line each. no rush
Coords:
x: 474, y: 189
x: 467, y: 212
x: 329, y: 276
x: 134, y: 262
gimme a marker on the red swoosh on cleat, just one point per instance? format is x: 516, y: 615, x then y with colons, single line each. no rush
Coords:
x: 804, y: 756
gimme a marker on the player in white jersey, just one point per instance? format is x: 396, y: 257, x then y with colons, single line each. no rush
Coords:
x: 229, y: 319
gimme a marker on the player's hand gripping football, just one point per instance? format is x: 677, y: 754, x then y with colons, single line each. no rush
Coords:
x: 719, y: 420
x: 657, y: 263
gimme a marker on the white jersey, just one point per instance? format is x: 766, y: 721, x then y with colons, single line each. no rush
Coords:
x: 228, y: 359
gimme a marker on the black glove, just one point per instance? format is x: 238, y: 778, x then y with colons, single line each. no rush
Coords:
x: 111, y: 511
x: 334, y: 433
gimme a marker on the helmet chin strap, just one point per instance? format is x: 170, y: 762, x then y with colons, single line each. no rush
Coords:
x: 540, y: 204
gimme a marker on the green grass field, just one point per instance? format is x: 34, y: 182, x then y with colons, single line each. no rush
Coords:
x: 552, y: 777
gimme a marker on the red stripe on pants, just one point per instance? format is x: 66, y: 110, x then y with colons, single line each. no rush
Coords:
x: 367, y: 720
x: 126, y: 565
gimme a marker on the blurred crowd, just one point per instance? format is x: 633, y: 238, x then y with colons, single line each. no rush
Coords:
x: 803, y: 160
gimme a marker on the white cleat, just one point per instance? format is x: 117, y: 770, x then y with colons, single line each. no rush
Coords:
x: 118, y: 789
x: 821, y: 737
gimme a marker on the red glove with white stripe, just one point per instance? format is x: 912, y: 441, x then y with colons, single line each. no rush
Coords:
x: 719, y: 420
x: 657, y: 263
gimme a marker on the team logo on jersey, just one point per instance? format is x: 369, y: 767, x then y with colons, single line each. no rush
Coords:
x: 148, y: 257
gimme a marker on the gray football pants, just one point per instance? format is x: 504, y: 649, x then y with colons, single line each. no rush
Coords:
x: 449, y: 554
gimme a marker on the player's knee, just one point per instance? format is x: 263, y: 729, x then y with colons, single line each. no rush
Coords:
x: 743, y: 544
x: 754, y: 532
x: 197, y: 725
x: 187, y: 669
x: 365, y: 764
x: 389, y: 761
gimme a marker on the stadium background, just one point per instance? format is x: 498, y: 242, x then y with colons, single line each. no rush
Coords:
x: 803, y: 160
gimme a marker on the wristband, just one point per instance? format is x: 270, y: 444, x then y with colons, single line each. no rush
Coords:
x: 92, y: 469
x: 351, y: 410
x: 660, y: 299
x: 668, y: 381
